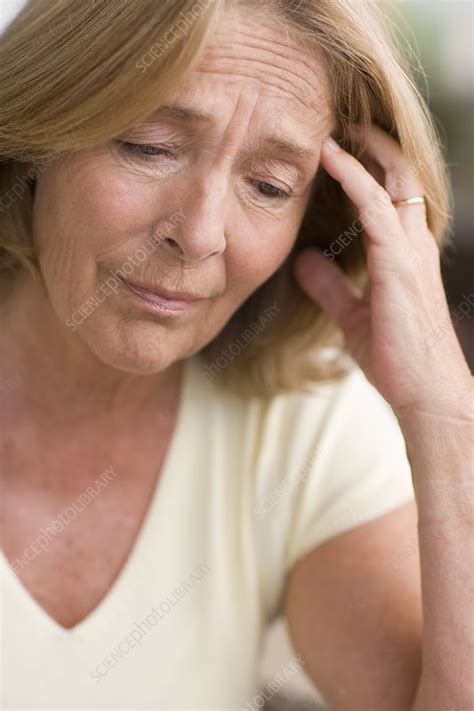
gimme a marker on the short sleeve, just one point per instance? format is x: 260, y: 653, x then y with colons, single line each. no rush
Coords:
x: 359, y: 471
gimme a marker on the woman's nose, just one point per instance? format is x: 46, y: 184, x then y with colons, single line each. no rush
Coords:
x: 201, y: 233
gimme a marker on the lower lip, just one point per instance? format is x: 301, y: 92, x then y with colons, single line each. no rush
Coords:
x: 159, y: 303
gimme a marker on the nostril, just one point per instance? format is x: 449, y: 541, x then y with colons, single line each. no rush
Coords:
x: 173, y: 244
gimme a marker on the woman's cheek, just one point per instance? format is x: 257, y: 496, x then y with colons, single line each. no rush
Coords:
x: 251, y: 262
x: 113, y: 206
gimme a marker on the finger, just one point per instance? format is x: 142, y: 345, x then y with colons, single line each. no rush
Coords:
x: 376, y: 211
x: 327, y: 284
x: 401, y: 177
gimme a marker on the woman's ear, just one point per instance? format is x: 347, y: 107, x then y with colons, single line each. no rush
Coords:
x: 32, y: 171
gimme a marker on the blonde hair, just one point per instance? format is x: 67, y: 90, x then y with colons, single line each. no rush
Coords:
x: 75, y: 73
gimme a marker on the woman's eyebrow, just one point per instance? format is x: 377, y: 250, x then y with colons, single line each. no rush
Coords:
x: 287, y: 147
x: 184, y: 114
x: 176, y: 112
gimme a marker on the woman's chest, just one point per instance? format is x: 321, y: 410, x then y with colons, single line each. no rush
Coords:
x: 69, y: 525
x: 194, y: 577
x: 160, y: 641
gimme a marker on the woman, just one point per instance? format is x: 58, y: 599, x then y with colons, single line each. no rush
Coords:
x: 198, y: 200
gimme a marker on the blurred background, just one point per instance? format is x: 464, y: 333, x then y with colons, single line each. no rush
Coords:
x: 443, y: 33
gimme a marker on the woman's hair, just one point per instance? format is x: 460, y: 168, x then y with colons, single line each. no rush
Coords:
x: 76, y: 73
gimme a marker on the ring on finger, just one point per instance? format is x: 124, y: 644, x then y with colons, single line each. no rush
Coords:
x: 419, y: 200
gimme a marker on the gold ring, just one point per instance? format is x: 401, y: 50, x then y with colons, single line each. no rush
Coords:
x: 409, y: 201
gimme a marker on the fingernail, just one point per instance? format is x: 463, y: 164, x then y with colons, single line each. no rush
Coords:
x: 331, y: 143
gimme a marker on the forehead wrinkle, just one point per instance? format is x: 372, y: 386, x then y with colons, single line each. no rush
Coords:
x: 277, y: 143
x: 179, y: 112
x: 237, y: 73
x: 283, y: 72
x: 305, y: 54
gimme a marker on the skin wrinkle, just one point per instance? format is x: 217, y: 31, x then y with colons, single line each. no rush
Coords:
x: 298, y: 54
x: 295, y: 96
x: 270, y: 62
x: 288, y: 160
x: 167, y: 114
x: 292, y: 37
x: 274, y: 85
x: 268, y: 47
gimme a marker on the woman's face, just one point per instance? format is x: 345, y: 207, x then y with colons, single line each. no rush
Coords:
x: 194, y: 200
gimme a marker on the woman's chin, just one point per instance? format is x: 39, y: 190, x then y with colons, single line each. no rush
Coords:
x: 137, y: 354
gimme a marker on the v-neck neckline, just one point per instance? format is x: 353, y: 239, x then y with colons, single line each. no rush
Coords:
x: 118, y: 586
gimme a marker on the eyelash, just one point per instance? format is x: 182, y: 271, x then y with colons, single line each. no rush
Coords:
x: 139, y: 150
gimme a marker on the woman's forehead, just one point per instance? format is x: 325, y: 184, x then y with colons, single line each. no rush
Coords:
x: 261, y: 55
x: 278, y: 96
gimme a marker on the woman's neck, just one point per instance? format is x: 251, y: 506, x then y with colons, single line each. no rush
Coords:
x: 51, y: 369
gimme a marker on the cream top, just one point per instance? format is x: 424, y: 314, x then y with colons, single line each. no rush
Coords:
x: 248, y: 486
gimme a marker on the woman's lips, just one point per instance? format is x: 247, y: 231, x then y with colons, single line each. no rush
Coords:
x: 160, y: 302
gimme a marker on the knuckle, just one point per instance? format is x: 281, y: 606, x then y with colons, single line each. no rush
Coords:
x: 379, y: 196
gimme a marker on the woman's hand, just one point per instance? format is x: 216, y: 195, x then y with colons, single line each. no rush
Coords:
x: 389, y: 328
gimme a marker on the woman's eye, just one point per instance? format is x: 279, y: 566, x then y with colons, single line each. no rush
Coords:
x: 145, y: 151
x: 271, y: 191
x: 148, y: 152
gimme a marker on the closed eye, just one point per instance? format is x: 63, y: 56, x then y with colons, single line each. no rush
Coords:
x: 271, y: 191
x: 142, y: 150
x: 148, y: 153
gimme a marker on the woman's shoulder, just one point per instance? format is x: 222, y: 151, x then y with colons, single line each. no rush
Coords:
x: 284, y: 427
x: 310, y: 405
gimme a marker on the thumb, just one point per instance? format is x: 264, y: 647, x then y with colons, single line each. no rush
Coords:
x: 326, y: 283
